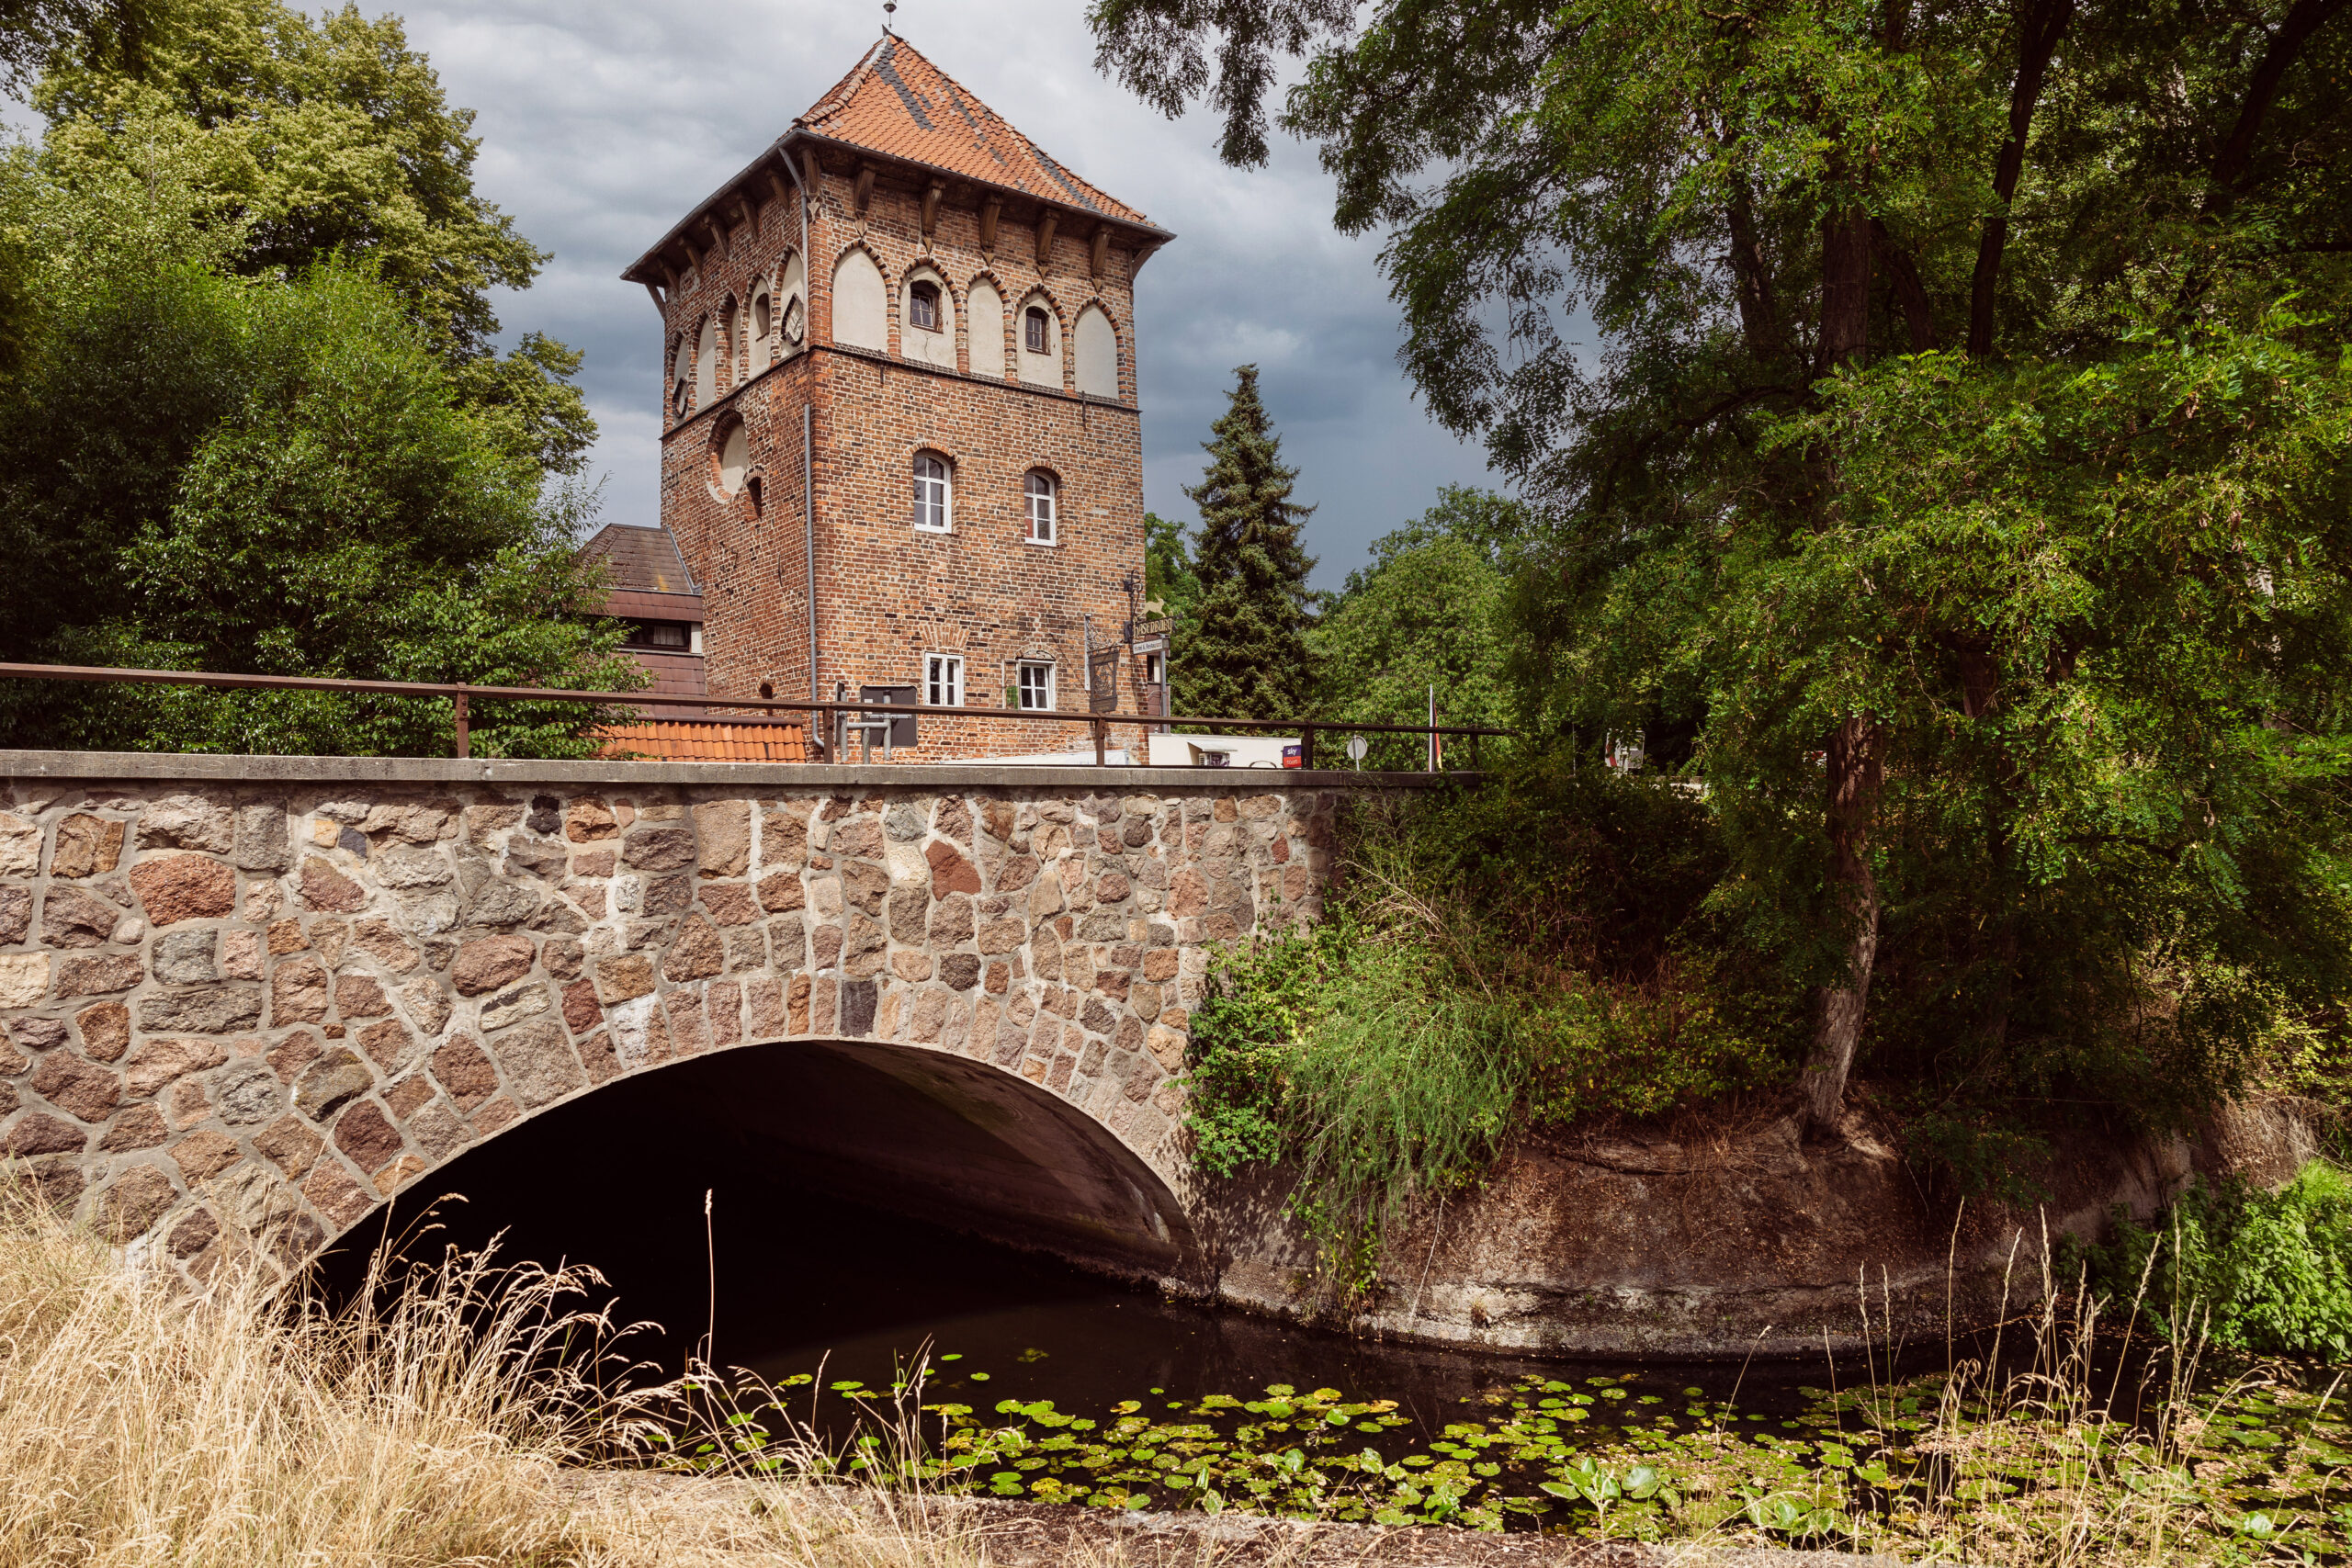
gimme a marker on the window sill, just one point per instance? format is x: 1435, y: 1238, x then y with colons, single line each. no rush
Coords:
x: 1044, y: 544
x: 934, y: 533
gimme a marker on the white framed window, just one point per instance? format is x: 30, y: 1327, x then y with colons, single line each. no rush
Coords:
x: 1034, y: 681
x: 934, y: 495
x: 1036, y: 331
x: 1154, y: 668
x: 1042, y: 493
x: 942, y: 681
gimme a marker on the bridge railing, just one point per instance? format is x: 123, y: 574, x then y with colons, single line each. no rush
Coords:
x: 825, y: 718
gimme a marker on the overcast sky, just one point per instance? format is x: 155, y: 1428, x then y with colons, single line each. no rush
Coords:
x: 602, y: 122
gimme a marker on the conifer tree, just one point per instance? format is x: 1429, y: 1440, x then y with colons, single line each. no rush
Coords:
x: 1248, y: 656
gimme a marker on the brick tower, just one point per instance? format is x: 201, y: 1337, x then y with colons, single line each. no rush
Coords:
x: 900, y: 446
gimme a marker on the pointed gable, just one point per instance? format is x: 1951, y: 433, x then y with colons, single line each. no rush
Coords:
x: 897, y: 103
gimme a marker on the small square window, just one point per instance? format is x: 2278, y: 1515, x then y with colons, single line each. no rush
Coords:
x: 1036, y: 685
x: 1038, y: 331
x: 922, y: 306
x: 942, y: 681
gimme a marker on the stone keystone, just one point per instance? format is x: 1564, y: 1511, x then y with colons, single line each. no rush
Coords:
x: 184, y: 888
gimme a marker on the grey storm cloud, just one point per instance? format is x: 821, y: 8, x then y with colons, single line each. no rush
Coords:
x: 602, y: 122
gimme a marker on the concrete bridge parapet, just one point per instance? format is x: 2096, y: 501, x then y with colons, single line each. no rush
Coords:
x: 256, y: 996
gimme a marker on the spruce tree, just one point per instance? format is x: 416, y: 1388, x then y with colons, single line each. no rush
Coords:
x: 1248, y: 656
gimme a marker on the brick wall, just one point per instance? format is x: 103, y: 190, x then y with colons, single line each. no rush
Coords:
x: 886, y: 594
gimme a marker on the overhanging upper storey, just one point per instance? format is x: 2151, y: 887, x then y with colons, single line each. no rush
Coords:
x: 898, y: 112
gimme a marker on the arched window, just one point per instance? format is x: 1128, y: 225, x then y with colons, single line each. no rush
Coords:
x: 763, y: 333
x: 706, y: 363
x: 922, y: 306
x: 860, y: 305
x: 1043, y: 493
x: 682, y: 377
x: 1098, y: 353
x: 934, y: 494
x: 1036, y: 331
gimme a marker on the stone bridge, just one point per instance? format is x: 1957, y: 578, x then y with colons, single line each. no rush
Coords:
x: 259, y: 997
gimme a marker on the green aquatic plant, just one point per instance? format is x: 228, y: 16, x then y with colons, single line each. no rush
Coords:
x: 2036, y: 1460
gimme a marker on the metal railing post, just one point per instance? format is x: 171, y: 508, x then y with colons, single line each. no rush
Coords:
x: 465, y: 743
x: 1306, y: 747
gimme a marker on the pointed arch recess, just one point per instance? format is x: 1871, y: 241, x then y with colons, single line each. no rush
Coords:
x: 861, y: 302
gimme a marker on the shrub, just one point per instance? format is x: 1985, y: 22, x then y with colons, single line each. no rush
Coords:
x: 2258, y: 1271
x: 1491, y: 962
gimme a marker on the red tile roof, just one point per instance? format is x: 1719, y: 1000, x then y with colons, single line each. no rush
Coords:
x: 707, y: 740
x: 897, y: 103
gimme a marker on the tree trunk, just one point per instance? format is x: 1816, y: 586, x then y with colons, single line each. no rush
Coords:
x: 1854, y: 777
x: 1845, y: 288
x: 2040, y: 24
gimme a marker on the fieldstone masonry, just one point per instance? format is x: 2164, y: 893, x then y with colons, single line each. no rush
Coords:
x: 261, y: 1007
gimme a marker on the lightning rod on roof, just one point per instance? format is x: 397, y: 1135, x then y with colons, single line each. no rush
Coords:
x: 888, y: 8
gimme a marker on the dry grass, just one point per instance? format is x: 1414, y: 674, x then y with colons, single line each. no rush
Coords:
x: 447, y: 1427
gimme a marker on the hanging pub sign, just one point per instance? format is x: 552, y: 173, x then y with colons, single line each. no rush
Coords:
x: 1102, y: 681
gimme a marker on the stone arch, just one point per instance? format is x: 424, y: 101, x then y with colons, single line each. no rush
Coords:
x: 861, y: 301
x: 984, y: 318
x: 914, y: 1129
x: 1038, y: 369
x: 1097, y: 357
x: 304, y: 996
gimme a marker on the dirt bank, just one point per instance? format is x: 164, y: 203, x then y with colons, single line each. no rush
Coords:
x: 1737, y: 1240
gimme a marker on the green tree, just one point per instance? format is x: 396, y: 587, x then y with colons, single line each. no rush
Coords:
x: 2005, y: 696
x: 1248, y: 657
x: 1428, y: 612
x: 280, y: 478
x: 303, y: 138
x: 1170, y: 583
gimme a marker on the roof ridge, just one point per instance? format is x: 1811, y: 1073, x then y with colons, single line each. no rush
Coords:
x: 840, y: 93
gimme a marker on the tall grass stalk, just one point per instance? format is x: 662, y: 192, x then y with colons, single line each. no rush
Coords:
x: 456, y: 1415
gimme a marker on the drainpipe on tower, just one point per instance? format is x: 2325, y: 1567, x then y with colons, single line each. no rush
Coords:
x: 807, y: 428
